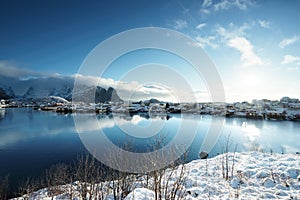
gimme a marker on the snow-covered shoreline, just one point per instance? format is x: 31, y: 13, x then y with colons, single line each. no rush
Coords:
x: 255, y: 176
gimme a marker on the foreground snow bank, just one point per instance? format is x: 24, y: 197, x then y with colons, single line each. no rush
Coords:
x: 252, y: 175
x: 255, y: 175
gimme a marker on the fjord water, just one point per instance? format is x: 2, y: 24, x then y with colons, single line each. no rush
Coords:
x: 32, y: 140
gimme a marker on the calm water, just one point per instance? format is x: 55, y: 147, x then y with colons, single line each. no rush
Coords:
x: 31, y: 141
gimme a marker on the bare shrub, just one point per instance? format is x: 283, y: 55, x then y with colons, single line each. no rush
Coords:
x: 3, y: 187
x: 55, y: 176
x: 27, y: 187
x: 282, y: 149
x: 87, y: 172
x: 227, y: 169
x: 167, y: 183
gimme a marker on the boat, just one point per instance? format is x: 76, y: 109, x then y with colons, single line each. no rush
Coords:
x: 294, y: 117
x: 229, y: 113
x: 64, y: 109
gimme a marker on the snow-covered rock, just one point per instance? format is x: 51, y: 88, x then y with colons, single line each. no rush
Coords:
x: 235, y: 183
x: 268, y: 183
x: 263, y: 174
x: 293, y: 172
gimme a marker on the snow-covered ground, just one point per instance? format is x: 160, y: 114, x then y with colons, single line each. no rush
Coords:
x: 255, y: 176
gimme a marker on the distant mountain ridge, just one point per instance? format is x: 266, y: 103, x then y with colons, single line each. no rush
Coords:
x: 37, y: 88
x: 65, y: 92
x: 88, y: 94
x: 30, y: 93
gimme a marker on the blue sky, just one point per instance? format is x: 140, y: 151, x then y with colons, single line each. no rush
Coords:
x: 255, y: 45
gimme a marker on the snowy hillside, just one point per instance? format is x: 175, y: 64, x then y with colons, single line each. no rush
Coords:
x: 254, y: 176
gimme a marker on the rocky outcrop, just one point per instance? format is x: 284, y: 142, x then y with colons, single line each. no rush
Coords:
x: 102, y: 95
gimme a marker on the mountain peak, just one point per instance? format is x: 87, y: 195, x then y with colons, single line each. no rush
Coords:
x: 30, y: 93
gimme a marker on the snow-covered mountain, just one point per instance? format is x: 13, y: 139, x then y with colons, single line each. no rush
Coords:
x: 64, y: 92
x: 97, y: 94
x: 30, y: 93
x: 54, y: 86
x: 7, y: 93
x: 3, y: 94
x: 40, y: 86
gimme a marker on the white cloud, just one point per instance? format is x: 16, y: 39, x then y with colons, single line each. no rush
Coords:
x: 127, y: 90
x: 235, y: 37
x: 8, y: 69
x: 180, y: 24
x: 93, y: 80
x: 223, y: 5
x: 207, y: 41
x: 288, y: 41
x: 264, y: 23
x: 200, y: 26
x: 206, y: 3
x: 227, y: 4
x: 248, y: 56
x: 232, y: 31
x: 204, y: 11
x: 290, y: 59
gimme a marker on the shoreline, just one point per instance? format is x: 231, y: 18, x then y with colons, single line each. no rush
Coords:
x: 148, y: 114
